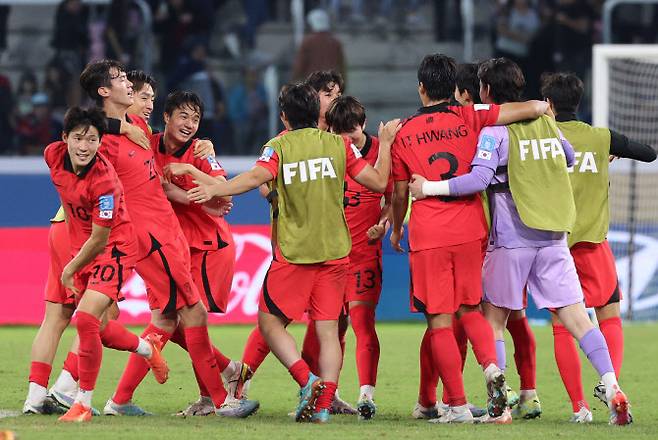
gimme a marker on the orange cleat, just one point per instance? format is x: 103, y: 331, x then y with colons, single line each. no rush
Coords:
x: 156, y: 361
x: 77, y: 413
x: 620, y: 413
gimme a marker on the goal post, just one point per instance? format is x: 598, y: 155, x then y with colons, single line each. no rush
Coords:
x: 625, y: 99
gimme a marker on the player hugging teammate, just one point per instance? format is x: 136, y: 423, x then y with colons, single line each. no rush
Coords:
x: 155, y: 203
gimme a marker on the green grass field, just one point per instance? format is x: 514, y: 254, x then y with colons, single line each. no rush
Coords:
x: 396, y: 394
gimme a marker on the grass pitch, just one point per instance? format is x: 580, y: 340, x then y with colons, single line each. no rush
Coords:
x: 396, y: 394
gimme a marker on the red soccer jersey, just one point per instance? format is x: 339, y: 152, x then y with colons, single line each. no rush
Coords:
x: 203, y: 231
x: 147, y: 203
x: 439, y: 142
x: 363, y: 209
x: 354, y: 165
x: 95, y: 196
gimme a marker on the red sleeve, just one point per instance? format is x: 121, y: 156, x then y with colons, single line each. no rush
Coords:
x: 105, y: 198
x: 354, y: 162
x: 49, y: 154
x: 478, y: 116
x: 270, y: 161
x: 399, y: 170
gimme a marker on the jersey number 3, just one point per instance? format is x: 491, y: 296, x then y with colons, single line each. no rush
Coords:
x: 453, y: 163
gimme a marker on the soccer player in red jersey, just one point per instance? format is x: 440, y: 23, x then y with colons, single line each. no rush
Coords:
x: 589, y: 247
x: 310, y: 185
x: 144, y: 88
x: 445, y: 235
x: 368, y: 221
x: 208, y: 233
x: 103, y: 242
x: 163, y: 254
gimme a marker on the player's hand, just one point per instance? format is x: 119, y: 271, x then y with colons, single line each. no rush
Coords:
x: 67, y: 280
x: 137, y: 135
x: 201, y: 193
x: 396, y: 237
x: 416, y: 187
x: 176, y: 169
x: 203, y: 148
x: 376, y: 232
x: 388, y: 131
x: 217, y: 209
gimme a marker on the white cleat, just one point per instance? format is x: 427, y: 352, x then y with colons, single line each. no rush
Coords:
x: 28, y: 408
x: 202, y: 407
x: 237, y: 408
x: 235, y: 383
x: 583, y: 415
x: 504, y: 419
x: 422, y: 413
x: 455, y: 415
x: 339, y: 406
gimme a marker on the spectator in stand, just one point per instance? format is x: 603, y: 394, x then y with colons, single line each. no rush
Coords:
x: 518, y: 23
x: 222, y: 130
x: 57, y: 86
x: 247, y: 109
x: 122, y: 32
x: 71, y: 43
x: 27, y: 87
x: 38, y: 128
x: 6, y: 130
x: 257, y: 13
x: 176, y: 21
x: 319, y: 50
x: 574, y: 23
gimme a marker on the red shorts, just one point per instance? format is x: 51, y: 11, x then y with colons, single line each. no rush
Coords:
x: 108, y: 272
x: 364, y: 282
x: 444, y: 278
x: 289, y: 290
x: 212, y: 272
x: 59, y: 250
x: 166, y: 271
x: 597, y: 273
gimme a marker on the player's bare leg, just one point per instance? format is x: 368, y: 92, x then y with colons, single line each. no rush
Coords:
x: 44, y: 347
x: 362, y: 314
x: 284, y: 347
x: 593, y: 344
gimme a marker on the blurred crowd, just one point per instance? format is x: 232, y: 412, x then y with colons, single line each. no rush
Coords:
x: 540, y: 35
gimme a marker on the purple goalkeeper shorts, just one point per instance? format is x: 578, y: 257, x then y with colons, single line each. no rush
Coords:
x: 548, y: 272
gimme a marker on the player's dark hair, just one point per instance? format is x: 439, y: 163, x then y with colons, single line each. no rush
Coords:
x: 563, y: 89
x: 301, y: 105
x: 325, y: 80
x: 437, y: 73
x: 97, y: 74
x: 467, y: 81
x: 80, y: 117
x: 180, y: 99
x: 345, y: 113
x: 139, y: 78
x: 504, y: 78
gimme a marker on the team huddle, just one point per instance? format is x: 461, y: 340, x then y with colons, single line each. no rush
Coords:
x: 508, y: 198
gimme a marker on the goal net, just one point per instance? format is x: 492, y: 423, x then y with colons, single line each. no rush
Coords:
x: 625, y: 99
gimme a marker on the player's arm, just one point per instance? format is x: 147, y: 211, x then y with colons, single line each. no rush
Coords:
x: 377, y: 231
x: 90, y: 250
x: 216, y: 206
x: 239, y: 184
x: 520, y: 111
x: 376, y: 178
x: 132, y: 132
x: 203, y: 149
x: 622, y: 146
x: 179, y: 169
x: 399, y: 205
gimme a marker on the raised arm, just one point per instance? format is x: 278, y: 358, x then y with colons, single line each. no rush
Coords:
x: 520, y: 111
x: 376, y: 178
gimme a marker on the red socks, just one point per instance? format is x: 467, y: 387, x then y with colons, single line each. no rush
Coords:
x: 460, y: 337
x: 90, y: 353
x: 614, y: 337
x: 367, y: 343
x: 300, y: 371
x: 136, y: 369
x: 115, y: 336
x: 311, y: 349
x: 479, y: 332
x: 429, y: 374
x: 524, y: 352
x: 326, y: 397
x: 204, y: 362
x: 256, y: 350
x: 446, y: 357
x: 71, y: 365
x: 568, y: 363
x: 40, y: 373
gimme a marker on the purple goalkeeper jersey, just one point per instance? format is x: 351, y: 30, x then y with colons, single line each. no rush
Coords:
x: 507, y: 228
